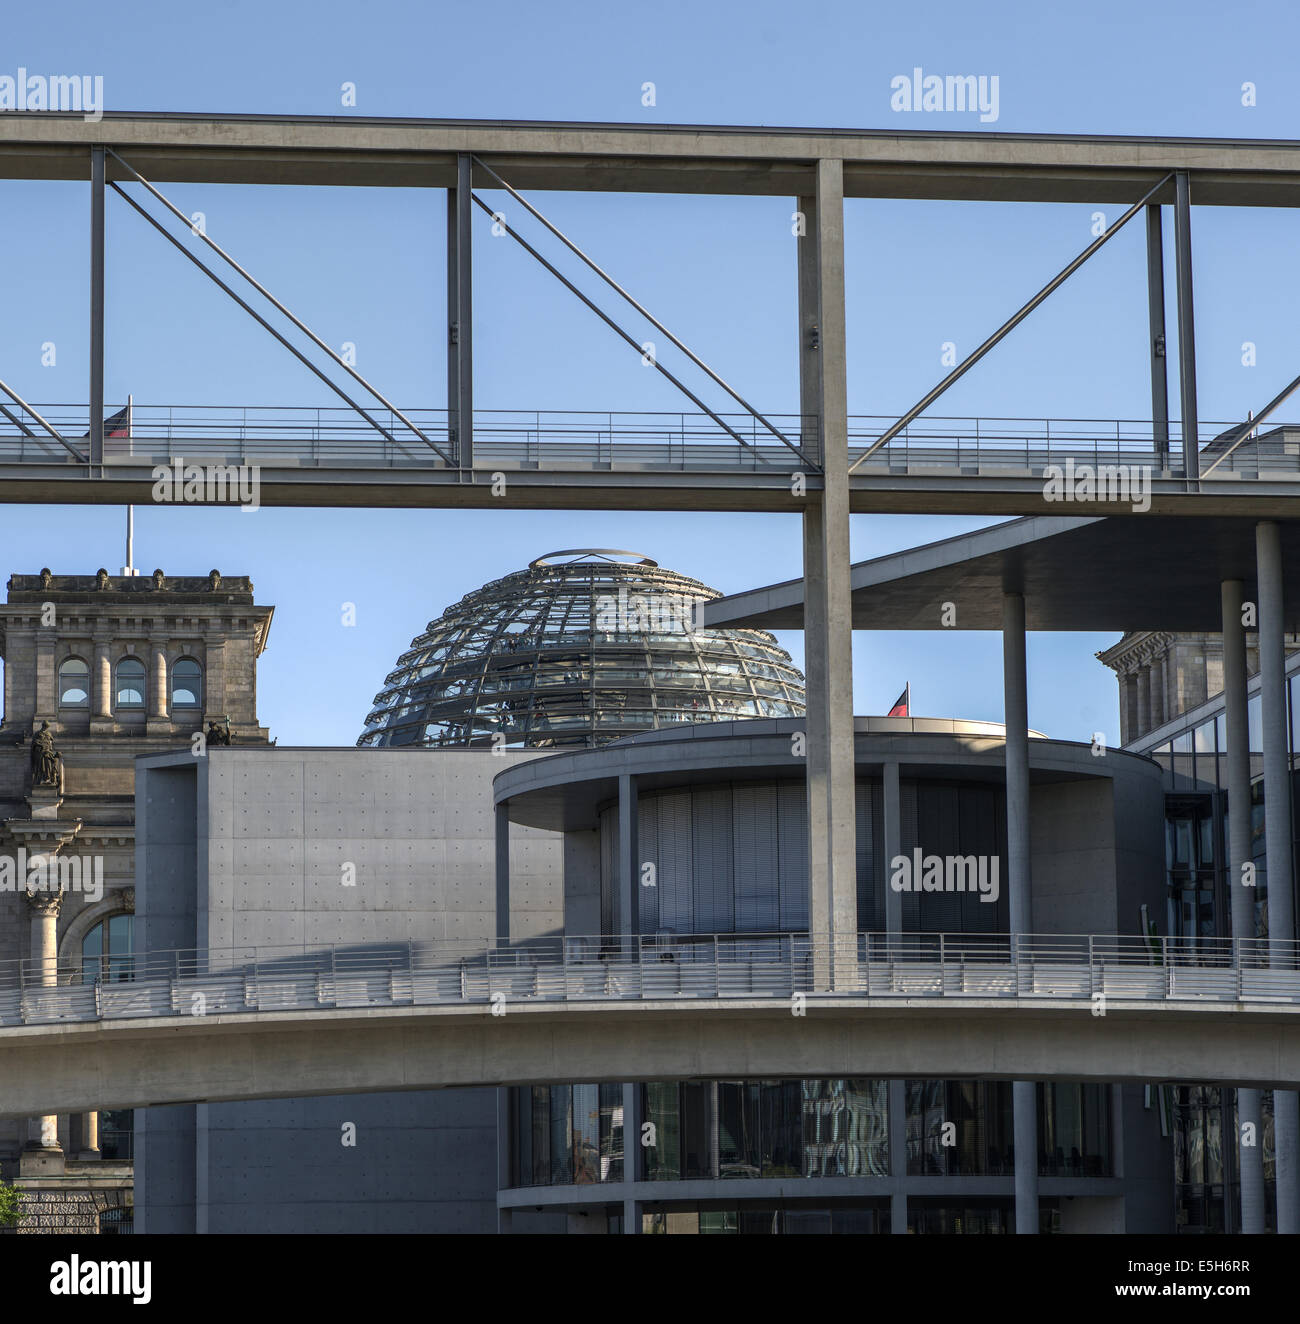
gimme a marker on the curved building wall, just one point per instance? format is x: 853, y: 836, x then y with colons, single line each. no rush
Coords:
x: 733, y: 857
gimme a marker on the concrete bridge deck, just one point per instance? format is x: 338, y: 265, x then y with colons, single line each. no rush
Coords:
x: 226, y: 1026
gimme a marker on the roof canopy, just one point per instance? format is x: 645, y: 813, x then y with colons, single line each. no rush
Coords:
x: 1137, y: 572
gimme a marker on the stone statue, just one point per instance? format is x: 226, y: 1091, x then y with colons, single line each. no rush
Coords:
x: 101, y: 578
x: 214, y: 580
x: 216, y: 735
x: 45, y: 758
x: 157, y: 581
x: 47, y: 579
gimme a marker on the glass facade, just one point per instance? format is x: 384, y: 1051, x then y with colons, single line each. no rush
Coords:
x: 959, y: 1128
x: 730, y: 1130
x: 1207, y: 1188
x: 580, y: 648
x: 789, y: 1219
x: 725, y: 1130
x: 567, y: 1134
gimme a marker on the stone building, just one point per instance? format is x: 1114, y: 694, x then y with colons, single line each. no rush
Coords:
x: 1163, y: 675
x: 99, y: 669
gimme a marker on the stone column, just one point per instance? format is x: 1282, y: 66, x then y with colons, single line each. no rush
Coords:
x: 43, y: 1154
x: 1143, y: 700
x: 47, y: 701
x: 1024, y: 1094
x: 1250, y: 1157
x: 217, y: 704
x: 158, y: 696
x: 102, y: 680
x: 1277, y: 843
x: 90, y: 1136
x: 1158, y: 692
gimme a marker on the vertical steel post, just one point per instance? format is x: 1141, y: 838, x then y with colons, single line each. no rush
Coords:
x: 1241, y: 898
x: 1186, y: 324
x: 1156, y: 316
x: 96, y: 308
x: 1024, y: 1093
x: 460, y: 320
x: 1278, y: 840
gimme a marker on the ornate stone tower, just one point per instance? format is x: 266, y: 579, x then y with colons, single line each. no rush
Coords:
x: 1162, y: 675
x: 97, y: 670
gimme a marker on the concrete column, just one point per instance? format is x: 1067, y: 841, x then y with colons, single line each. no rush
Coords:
x: 1143, y: 700
x: 89, y: 1136
x: 43, y: 1132
x: 828, y: 638
x: 898, y: 1156
x: 629, y: 856
x: 632, y: 1151
x: 158, y: 696
x: 1277, y: 842
x: 505, y: 1154
x: 503, y: 872
x: 893, y: 826
x: 1016, y: 716
x: 1241, y: 898
x: 101, y: 696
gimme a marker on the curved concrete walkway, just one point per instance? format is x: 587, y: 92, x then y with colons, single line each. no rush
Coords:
x: 79, y: 1066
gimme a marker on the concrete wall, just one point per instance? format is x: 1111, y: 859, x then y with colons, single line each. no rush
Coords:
x: 257, y: 857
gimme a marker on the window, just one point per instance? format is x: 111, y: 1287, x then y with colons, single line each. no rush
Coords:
x: 106, y: 951
x: 107, y: 956
x: 74, y: 684
x: 130, y: 683
x: 187, y: 684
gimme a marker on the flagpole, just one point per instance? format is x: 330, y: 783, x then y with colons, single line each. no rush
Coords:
x: 130, y: 510
x: 908, y: 688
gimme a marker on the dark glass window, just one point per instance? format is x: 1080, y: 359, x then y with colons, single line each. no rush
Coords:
x: 130, y: 683
x: 959, y: 1128
x: 1074, y: 1130
x: 74, y: 684
x: 187, y: 684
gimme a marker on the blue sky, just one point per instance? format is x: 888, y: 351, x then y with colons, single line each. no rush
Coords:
x: 366, y: 266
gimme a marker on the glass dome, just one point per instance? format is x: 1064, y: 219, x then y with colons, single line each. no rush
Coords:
x: 583, y: 647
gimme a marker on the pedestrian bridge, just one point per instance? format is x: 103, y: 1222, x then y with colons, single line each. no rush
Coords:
x: 663, y: 461
x: 180, y: 1027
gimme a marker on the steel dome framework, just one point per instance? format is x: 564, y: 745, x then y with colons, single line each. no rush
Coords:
x: 580, y: 648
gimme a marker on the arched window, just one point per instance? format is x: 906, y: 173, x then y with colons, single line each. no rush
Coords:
x: 74, y: 684
x: 107, y: 951
x: 187, y: 684
x: 108, y: 956
x: 130, y: 683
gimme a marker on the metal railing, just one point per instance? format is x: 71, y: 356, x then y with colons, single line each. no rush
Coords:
x: 583, y: 969
x: 582, y: 440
